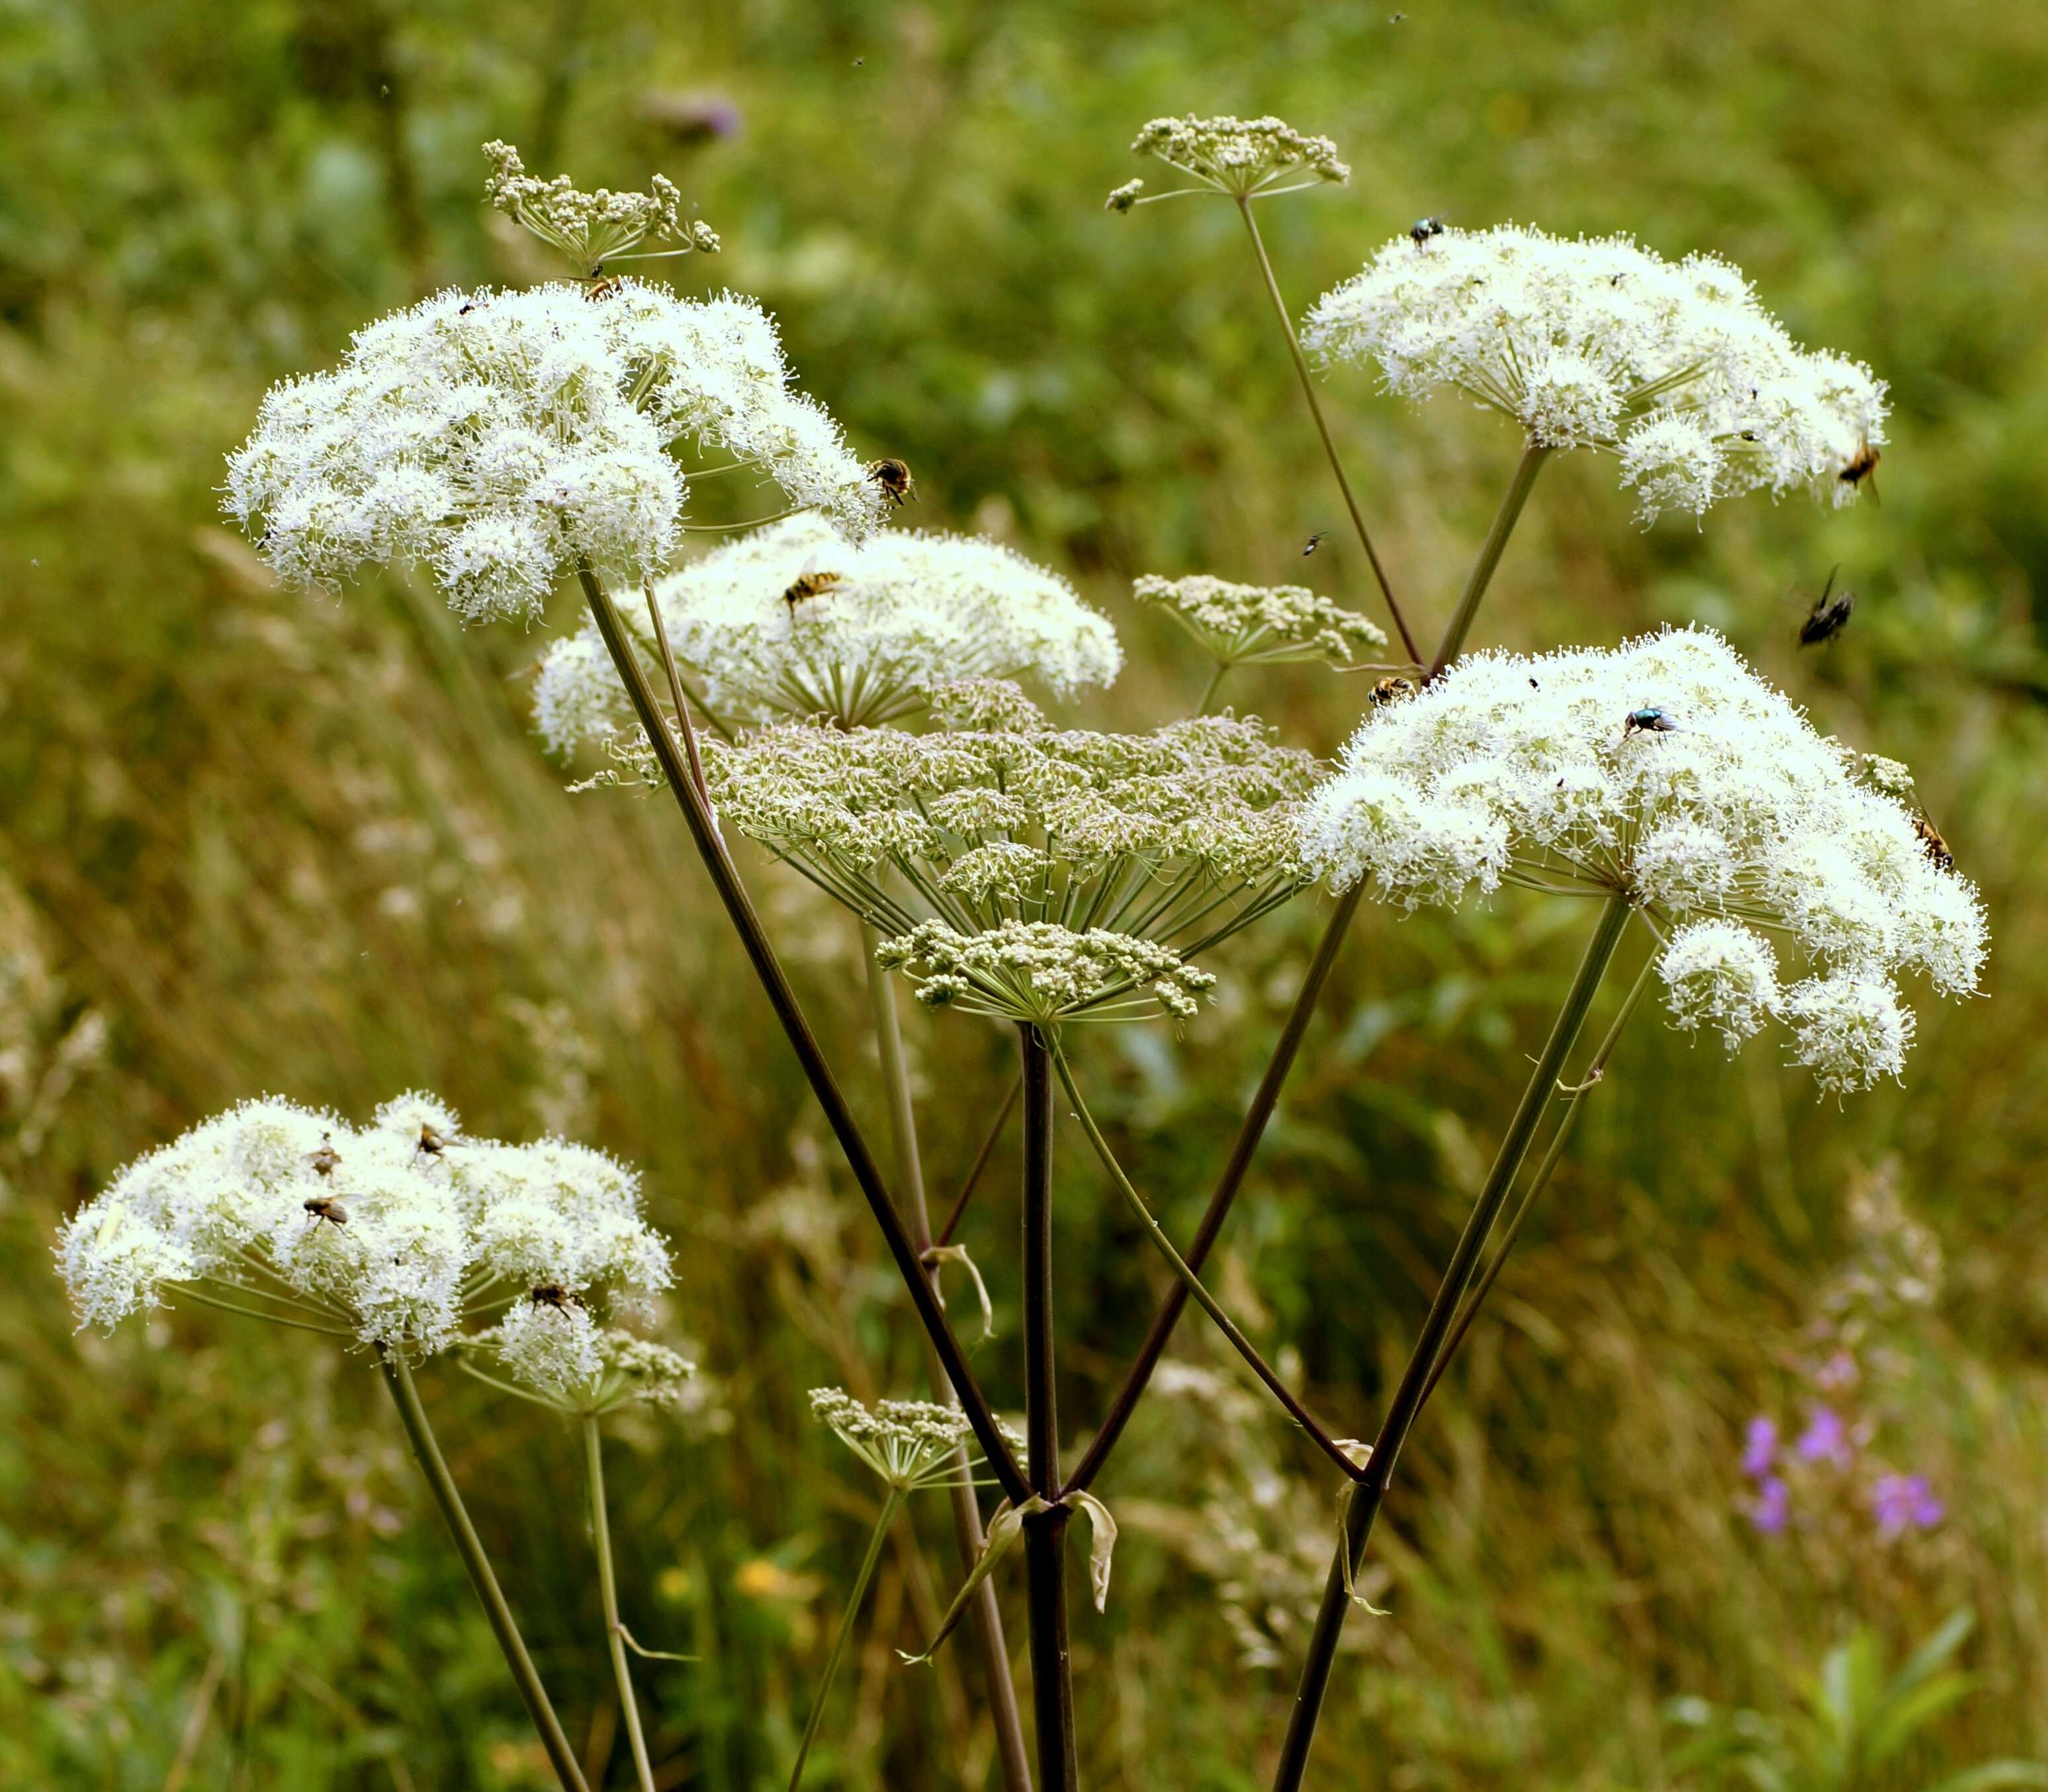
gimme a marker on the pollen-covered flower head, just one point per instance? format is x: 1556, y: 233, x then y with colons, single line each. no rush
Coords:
x: 1257, y: 625
x: 501, y: 438
x: 1666, y: 772
x: 588, y: 227
x: 910, y: 1444
x: 395, y: 1233
x: 550, y: 1344
x: 1040, y: 972
x: 793, y: 620
x: 1675, y: 367
x: 1248, y: 158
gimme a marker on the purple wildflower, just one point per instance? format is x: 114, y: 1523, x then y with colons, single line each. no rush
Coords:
x: 1839, y: 1370
x: 1902, y: 1501
x: 1826, y: 1439
x: 1771, y: 1506
x: 1759, y: 1447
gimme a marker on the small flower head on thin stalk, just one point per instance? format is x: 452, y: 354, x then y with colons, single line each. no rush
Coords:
x: 1245, y: 158
x: 1675, y: 368
x: 1257, y: 625
x: 500, y: 439
x: 1666, y: 772
x: 397, y: 1233
x: 1040, y: 972
x: 910, y: 1444
x: 1099, y: 863
x: 590, y: 228
x: 793, y: 622
x: 552, y: 1346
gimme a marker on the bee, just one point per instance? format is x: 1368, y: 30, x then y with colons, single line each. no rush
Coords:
x: 894, y: 479
x: 1314, y: 541
x: 431, y: 1144
x: 600, y: 285
x: 1863, y: 465
x: 1936, y: 848
x: 325, y: 1160
x: 1420, y: 232
x: 1390, y: 690
x: 553, y: 1294
x: 808, y: 584
x: 327, y: 1208
x: 1828, y: 617
x: 1650, y: 720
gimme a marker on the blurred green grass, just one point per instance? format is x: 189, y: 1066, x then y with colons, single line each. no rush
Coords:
x: 249, y: 841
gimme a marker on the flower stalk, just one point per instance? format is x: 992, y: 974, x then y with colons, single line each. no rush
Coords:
x: 1504, y: 520
x: 398, y: 1377
x: 990, y: 1642
x: 1363, y: 1506
x: 1322, y: 427
x: 893, y: 1499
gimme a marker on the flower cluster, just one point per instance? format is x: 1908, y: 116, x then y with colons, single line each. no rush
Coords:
x: 910, y: 1444
x: 1676, y: 368
x: 1248, y: 158
x: 1667, y: 772
x: 791, y: 620
x: 1041, y: 972
x: 1830, y: 1446
x: 1190, y: 827
x: 504, y: 438
x: 396, y: 1233
x: 552, y: 1345
x: 588, y: 227
x: 1255, y: 625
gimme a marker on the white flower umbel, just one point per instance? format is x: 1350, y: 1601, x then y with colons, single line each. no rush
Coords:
x: 499, y: 439
x: 792, y: 621
x: 1246, y: 158
x: 1257, y: 625
x: 910, y: 1443
x: 1173, y: 840
x: 589, y: 228
x: 397, y: 1233
x: 1043, y: 973
x: 1675, y: 367
x: 1666, y: 772
x: 558, y: 1354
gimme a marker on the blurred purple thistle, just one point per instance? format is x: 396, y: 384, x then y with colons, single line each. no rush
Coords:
x: 1772, y: 1507
x: 1902, y: 1502
x: 1825, y: 1439
x: 1759, y: 1447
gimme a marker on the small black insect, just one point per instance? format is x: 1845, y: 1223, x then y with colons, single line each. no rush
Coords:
x: 430, y: 1143
x: 1313, y: 542
x: 1829, y: 616
x: 894, y: 479
x: 1862, y: 465
x: 1534, y: 685
x: 1650, y: 720
x: 1423, y: 229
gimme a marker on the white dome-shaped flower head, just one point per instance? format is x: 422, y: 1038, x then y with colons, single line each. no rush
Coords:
x: 501, y: 439
x: 1260, y: 625
x: 391, y: 1233
x: 1673, y: 367
x: 1666, y: 773
x: 791, y: 620
x: 550, y: 1345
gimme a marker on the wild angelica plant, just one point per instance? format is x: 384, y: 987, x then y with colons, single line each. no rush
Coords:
x: 872, y: 738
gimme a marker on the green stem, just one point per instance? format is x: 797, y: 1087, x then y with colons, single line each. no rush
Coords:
x: 991, y: 1644
x: 1323, y: 429
x: 1204, y: 1299
x: 1366, y: 1496
x: 1208, y: 696
x: 398, y: 1377
x: 1574, y: 1099
x: 845, y: 1630
x: 607, y: 1583
x: 1495, y: 544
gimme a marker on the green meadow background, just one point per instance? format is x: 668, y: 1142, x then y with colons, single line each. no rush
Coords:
x: 251, y: 842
